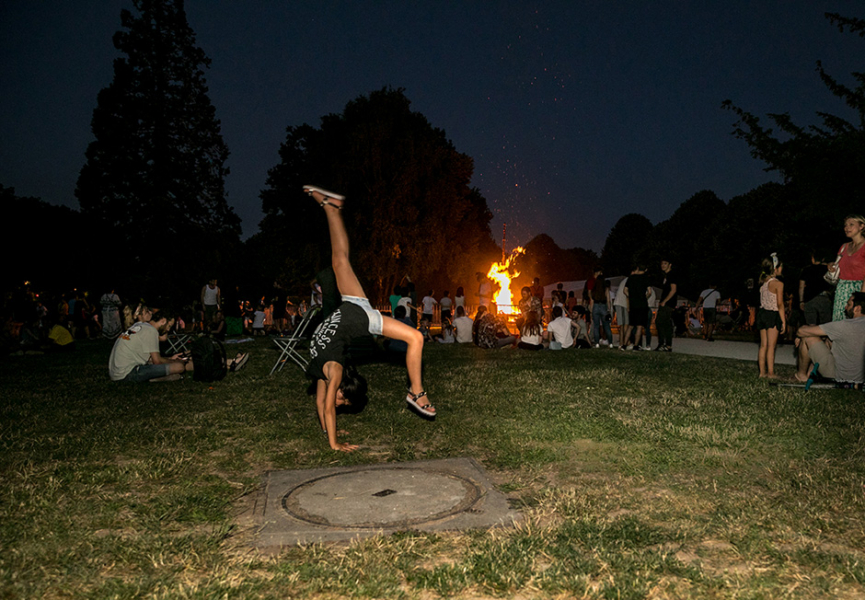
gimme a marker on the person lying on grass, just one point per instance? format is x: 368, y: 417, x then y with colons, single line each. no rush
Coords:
x: 338, y: 385
x: 842, y: 356
x: 136, y: 357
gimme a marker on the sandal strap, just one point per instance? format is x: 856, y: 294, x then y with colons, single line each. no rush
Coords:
x: 421, y: 395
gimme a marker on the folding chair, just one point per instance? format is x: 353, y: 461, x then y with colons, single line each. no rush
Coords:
x: 177, y: 342
x: 289, y: 346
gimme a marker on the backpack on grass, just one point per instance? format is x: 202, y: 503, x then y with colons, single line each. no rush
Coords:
x: 208, y: 359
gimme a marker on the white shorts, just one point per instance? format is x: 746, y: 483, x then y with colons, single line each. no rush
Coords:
x: 375, y: 321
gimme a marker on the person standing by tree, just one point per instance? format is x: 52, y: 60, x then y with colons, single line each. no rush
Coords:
x: 851, y: 265
x: 599, y: 305
x: 771, y: 318
x: 111, y: 326
x: 485, y: 290
x: 815, y: 293
x: 211, y: 300
x: 664, y: 318
x: 637, y: 292
x: 708, y: 302
x: 446, y: 303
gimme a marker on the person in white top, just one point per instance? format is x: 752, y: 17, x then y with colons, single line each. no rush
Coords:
x: 460, y: 298
x: 428, y: 303
x: 463, y: 326
x: 560, y: 330
x: 446, y: 304
x: 531, y: 333
x: 708, y: 302
x: 211, y: 300
x: 620, y: 305
x: 771, y: 320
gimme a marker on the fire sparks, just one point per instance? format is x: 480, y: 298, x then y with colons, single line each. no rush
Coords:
x: 500, y: 274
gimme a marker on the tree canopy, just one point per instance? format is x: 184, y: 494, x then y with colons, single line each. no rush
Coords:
x: 410, y: 208
x: 823, y: 166
x: 154, y: 175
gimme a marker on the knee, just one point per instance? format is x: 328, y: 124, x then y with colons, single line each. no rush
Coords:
x: 416, y: 338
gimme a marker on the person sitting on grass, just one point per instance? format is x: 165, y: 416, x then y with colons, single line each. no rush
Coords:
x: 336, y: 384
x: 488, y: 332
x: 463, y: 326
x: 840, y: 357
x: 561, y: 330
x: 59, y: 338
x: 532, y: 332
x: 136, y: 357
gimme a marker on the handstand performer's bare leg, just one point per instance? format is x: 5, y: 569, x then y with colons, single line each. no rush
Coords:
x: 346, y: 280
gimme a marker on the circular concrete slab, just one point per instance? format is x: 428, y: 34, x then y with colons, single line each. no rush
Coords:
x: 388, y: 498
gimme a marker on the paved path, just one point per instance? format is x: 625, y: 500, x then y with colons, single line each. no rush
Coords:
x: 725, y: 349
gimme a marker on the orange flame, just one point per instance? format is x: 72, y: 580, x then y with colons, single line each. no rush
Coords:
x: 501, y: 275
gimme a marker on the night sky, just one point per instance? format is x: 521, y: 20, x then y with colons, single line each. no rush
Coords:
x: 575, y: 113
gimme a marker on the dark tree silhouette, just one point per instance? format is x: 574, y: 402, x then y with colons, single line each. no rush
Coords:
x: 823, y: 165
x: 551, y: 264
x: 154, y: 176
x: 411, y: 208
x: 626, y: 239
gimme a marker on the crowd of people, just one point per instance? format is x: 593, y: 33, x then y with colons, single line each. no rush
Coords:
x: 826, y: 325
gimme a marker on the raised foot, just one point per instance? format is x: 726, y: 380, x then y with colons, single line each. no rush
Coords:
x: 325, y: 197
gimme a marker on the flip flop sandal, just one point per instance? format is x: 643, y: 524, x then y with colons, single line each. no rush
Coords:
x: 423, y: 411
x: 327, y: 194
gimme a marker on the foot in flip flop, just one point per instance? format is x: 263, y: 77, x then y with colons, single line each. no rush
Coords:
x: 238, y: 362
x: 427, y: 410
x: 324, y: 197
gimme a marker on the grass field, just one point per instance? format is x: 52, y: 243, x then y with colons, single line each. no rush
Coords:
x: 639, y: 474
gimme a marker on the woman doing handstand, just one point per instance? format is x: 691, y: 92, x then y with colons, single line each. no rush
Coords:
x: 354, y: 318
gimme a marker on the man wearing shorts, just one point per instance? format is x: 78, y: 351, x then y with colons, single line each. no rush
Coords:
x: 136, y: 357
x: 708, y: 302
x: 842, y: 356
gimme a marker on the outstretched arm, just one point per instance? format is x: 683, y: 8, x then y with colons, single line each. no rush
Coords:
x: 326, y: 404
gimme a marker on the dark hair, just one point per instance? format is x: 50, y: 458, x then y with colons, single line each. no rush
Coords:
x: 399, y: 313
x: 354, y: 390
x: 461, y: 311
x: 557, y: 312
x: 157, y: 314
x: 481, y: 310
x: 532, y: 326
x: 397, y: 290
x: 859, y: 300
x: 527, y: 290
x: 460, y: 292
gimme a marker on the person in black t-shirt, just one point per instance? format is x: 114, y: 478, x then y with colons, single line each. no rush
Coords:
x: 637, y: 290
x: 815, y: 294
x: 336, y: 384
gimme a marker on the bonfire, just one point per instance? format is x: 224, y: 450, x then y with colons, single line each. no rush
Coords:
x: 501, y: 274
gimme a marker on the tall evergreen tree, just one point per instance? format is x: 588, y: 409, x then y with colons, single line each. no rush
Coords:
x: 154, y: 176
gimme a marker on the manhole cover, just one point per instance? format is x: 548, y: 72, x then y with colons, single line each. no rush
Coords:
x: 396, y: 497
x: 344, y: 503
